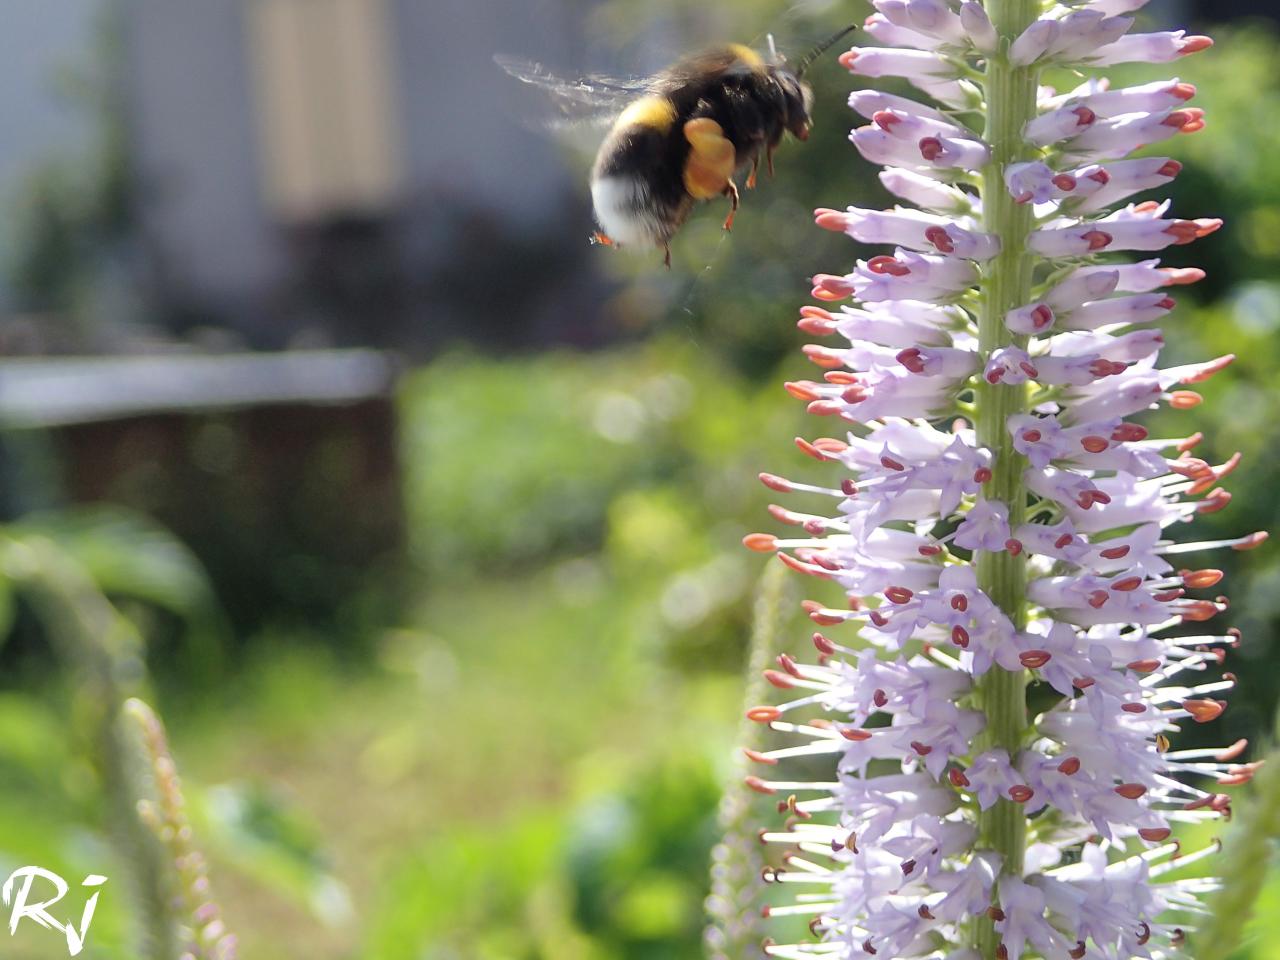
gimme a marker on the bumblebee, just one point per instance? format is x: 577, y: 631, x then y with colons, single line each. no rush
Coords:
x: 683, y: 135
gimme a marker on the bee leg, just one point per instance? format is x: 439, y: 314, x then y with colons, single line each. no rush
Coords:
x: 666, y: 258
x: 768, y: 155
x: 603, y: 239
x: 755, y: 168
x: 731, y: 191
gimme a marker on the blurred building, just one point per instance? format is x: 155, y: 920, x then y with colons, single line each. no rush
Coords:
x: 352, y: 171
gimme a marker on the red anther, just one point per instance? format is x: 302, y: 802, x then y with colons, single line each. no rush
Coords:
x: 1029, y: 369
x: 775, y: 483
x: 1020, y: 793
x: 1146, y: 206
x: 908, y: 866
x: 1002, y: 952
x: 1143, y: 666
x: 1193, y: 468
x: 854, y: 734
x: 879, y: 698
x: 851, y: 842
x: 1070, y: 766
x: 1077, y: 952
x: 1133, y: 707
x: 1182, y: 231
x: 995, y: 913
x: 898, y: 595
x: 764, y: 714
x: 786, y: 663
x: 1179, y: 118
x: 1239, y: 776
x: 817, y: 328
x: 923, y: 912
x: 1084, y: 116
x: 1127, y: 584
x: 758, y: 785
x: 1167, y: 596
x: 1131, y: 791
x: 1063, y: 541
x: 939, y: 237
x: 1034, y: 659
x: 830, y: 445
x: 891, y: 464
x: 799, y: 565
x: 1094, y: 443
x: 847, y: 58
x: 1202, y: 711
x: 816, y: 613
x: 960, y: 637
x: 995, y: 375
x: 1013, y: 546
x: 826, y: 286
x: 760, y: 542
x: 1031, y: 436
x: 1115, y: 553
x: 832, y: 220
x: 1214, y: 501
x: 878, y: 618
x: 1041, y: 315
x: 825, y: 646
x: 1093, y: 496
x: 1101, y: 176
x: 1129, y: 432
x: 1154, y: 835
x: 1207, y: 370
x: 867, y: 947
x: 1170, y: 168
x: 960, y: 603
x: 1183, y: 91
x: 929, y: 550
x: 1097, y: 239
x: 1232, y: 752
x: 1144, y: 930
x: 813, y: 527
x: 1181, y: 276
x: 1201, y: 579
x: 1185, y: 399
x: 911, y: 359
x: 981, y: 475
x: 923, y: 749
x: 886, y: 265
x: 809, y: 311
x: 885, y: 119
x: 758, y: 757
x: 930, y: 148
x: 1189, y: 45
x: 957, y: 777
x: 830, y: 408
x: 1065, y: 182
x: 841, y: 378
x: 802, y: 389
x: 848, y: 487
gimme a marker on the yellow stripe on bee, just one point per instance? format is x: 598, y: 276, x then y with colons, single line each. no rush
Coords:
x: 658, y: 113
x: 711, y: 159
x: 746, y: 55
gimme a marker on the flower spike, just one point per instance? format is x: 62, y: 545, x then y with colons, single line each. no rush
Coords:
x: 1003, y: 516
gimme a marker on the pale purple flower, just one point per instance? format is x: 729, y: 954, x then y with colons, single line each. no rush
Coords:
x: 889, y: 857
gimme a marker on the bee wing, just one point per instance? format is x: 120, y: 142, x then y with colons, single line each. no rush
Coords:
x: 586, y: 100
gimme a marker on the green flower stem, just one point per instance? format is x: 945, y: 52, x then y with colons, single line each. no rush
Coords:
x: 1001, y: 695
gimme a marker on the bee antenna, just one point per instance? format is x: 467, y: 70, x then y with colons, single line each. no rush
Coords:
x: 773, y: 49
x: 822, y: 48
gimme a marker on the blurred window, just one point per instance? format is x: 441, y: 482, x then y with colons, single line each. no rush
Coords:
x: 323, y: 86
